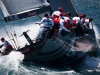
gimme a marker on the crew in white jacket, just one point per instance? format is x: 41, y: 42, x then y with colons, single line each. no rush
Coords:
x: 62, y: 27
x: 56, y: 13
x: 45, y: 24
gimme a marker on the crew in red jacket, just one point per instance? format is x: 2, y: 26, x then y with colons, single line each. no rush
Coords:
x: 56, y: 13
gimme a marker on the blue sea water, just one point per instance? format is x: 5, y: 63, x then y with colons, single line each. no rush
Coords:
x: 13, y: 65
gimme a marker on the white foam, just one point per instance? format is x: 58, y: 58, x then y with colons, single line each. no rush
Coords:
x: 84, y: 46
x: 11, y: 61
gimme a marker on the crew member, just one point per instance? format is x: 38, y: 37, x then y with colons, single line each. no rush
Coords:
x: 65, y: 16
x: 82, y: 18
x: 76, y: 22
x: 87, y: 21
x: 65, y: 20
x: 45, y: 24
x: 56, y: 27
x: 70, y: 21
x: 7, y: 45
x: 86, y: 25
x: 59, y: 25
x: 56, y: 13
x: 62, y: 27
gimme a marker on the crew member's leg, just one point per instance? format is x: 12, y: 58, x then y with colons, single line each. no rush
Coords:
x: 39, y: 35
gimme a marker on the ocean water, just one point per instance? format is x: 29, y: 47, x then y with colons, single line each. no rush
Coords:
x: 12, y: 64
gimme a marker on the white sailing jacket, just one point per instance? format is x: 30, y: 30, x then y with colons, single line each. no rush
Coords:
x: 46, y: 22
x: 76, y: 19
x: 57, y: 13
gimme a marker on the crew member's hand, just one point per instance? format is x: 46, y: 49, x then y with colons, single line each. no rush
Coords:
x: 69, y: 31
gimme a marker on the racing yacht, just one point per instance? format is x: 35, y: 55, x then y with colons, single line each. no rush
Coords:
x: 65, y: 50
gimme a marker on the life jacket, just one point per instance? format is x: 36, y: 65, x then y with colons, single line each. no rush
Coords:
x: 54, y: 17
x: 74, y: 22
x: 66, y: 24
x: 56, y: 22
x: 55, y: 14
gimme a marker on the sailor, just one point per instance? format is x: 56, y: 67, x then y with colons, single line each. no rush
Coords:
x: 65, y: 20
x: 59, y: 23
x: 87, y: 21
x: 55, y: 28
x: 65, y: 16
x: 45, y: 24
x: 7, y: 45
x: 56, y: 13
x: 76, y: 22
x: 86, y: 26
x: 82, y: 18
x: 70, y: 21
x: 62, y: 26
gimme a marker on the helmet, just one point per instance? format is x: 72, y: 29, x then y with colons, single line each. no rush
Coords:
x: 64, y: 14
x: 61, y: 14
x: 60, y: 8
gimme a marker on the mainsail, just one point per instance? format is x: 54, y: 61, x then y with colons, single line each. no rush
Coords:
x: 67, y: 6
x: 18, y: 9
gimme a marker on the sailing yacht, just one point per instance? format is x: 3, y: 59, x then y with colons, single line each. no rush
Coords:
x: 64, y: 50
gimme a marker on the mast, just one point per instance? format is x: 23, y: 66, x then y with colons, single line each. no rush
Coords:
x: 27, y: 37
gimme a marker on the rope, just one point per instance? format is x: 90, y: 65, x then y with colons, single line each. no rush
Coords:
x: 9, y: 38
x: 15, y: 37
x: 14, y: 41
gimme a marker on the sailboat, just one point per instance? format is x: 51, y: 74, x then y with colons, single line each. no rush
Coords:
x: 65, y: 50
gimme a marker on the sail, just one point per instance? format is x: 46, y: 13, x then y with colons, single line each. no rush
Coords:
x: 18, y: 9
x: 67, y: 6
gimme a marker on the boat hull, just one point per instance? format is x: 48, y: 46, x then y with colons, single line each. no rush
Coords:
x: 62, y: 51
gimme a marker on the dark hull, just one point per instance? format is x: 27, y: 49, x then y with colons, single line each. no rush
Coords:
x: 59, y: 52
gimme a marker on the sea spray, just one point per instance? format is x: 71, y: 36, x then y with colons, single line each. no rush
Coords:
x: 10, y: 62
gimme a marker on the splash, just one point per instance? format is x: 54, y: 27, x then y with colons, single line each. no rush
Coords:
x: 10, y: 62
x: 83, y: 46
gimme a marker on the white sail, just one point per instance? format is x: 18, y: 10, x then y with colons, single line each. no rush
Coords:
x: 10, y: 7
